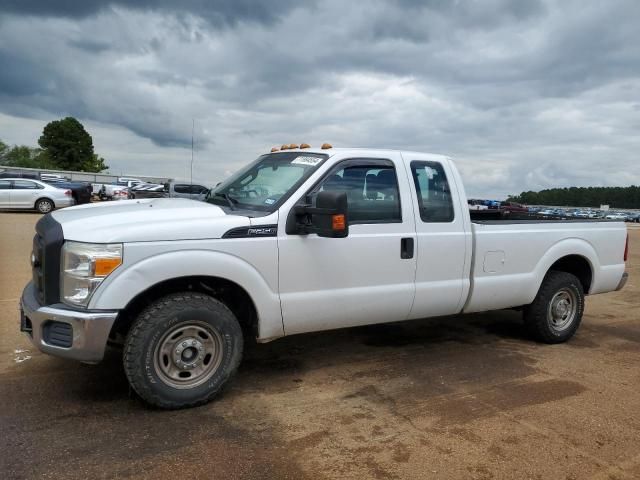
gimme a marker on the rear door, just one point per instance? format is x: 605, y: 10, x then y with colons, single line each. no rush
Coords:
x: 442, y: 238
x: 367, y: 277
x: 24, y: 193
x: 5, y: 193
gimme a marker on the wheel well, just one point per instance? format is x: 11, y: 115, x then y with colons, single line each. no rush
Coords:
x: 35, y: 204
x: 230, y: 293
x: 578, y: 266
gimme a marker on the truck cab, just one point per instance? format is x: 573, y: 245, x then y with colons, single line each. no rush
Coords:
x: 300, y: 240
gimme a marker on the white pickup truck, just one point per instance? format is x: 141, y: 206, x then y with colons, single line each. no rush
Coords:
x: 300, y: 240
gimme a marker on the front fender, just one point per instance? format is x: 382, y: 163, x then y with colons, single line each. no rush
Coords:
x: 129, y: 280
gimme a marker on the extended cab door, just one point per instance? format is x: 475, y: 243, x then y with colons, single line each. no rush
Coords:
x: 443, y: 237
x: 367, y: 277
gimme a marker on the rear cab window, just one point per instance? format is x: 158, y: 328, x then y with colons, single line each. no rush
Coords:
x: 432, y: 188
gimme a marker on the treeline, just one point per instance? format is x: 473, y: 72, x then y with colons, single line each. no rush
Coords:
x: 64, y: 145
x: 616, y: 197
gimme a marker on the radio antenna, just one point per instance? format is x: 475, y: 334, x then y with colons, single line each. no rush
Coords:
x: 193, y: 127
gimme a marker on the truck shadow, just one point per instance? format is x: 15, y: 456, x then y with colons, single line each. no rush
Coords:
x: 281, y: 364
x: 90, y: 409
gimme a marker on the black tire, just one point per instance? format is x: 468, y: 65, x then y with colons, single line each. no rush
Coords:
x: 545, y: 317
x: 154, y: 375
x: 44, y: 205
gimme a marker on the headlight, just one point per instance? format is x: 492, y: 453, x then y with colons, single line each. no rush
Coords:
x: 84, y: 267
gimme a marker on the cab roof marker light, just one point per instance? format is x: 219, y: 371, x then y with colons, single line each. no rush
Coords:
x: 326, y: 146
x: 284, y: 147
x: 292, y: 146
x: 304, y: 145
x: 275, y: 149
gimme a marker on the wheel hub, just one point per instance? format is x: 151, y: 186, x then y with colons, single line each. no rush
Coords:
x: 562, y: 309
x: 188, y: 354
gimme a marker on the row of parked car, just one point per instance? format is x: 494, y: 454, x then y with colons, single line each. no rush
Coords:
x: 496, y: 209
x: 128, y: 188
x: 28, y: 192
x: 46, y: 192
x: 585, y: 213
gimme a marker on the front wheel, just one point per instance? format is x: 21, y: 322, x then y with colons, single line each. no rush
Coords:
x: 182, y: 350
x: 556, y: 312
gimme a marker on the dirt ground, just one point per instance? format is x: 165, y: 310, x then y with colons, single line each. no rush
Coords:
x: 461, y: 397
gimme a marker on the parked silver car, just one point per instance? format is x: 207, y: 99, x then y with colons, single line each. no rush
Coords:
x: 27, y: 194
x: 186, y: 190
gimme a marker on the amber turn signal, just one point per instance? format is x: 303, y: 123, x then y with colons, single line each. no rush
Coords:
x: 104, y: 266
x: 337, y: 222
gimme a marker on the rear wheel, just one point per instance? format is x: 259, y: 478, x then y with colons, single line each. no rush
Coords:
x: 182, y: 350
x: 44, y: 205
x: 556, y: 312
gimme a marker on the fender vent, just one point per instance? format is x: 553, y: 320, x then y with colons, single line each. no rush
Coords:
x: 58, y: 334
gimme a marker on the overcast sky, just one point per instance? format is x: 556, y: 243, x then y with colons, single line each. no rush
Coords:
x: 523, y: 94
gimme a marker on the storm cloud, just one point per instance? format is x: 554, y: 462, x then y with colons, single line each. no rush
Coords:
x: 523, y: 94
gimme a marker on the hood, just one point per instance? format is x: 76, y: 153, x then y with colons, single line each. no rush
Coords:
x: 151, y: 219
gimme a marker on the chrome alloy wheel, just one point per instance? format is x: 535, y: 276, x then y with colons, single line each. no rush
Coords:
x: 562, y: 309
x: 44, y: 206
x: 188, y: 355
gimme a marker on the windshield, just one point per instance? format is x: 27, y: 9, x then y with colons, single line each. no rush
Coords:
x: 266, y: 183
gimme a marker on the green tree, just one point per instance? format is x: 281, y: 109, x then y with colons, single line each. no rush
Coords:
x: 3, y: 149
x: 68, y: 146
x: 616, y: 197
x: 23, y: 156
x: 99, y: 164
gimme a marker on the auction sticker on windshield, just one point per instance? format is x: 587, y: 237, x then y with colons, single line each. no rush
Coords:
x: 302, y: 160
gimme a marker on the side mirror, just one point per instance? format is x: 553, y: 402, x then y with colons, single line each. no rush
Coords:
x: 329, y: 218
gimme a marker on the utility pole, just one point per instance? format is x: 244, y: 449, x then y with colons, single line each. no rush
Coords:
x: 193, y: 127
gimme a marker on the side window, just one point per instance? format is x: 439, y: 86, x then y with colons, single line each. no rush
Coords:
x: 5, y: 185
x: 371, y: 188
x: 25, y: 185
x: 434, y: 196
x: 179, y: 188
x: 198, y: 189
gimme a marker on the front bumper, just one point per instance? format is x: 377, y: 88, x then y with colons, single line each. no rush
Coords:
x: 84, y: 334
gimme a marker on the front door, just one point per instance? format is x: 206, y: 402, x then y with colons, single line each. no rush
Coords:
x: 367, y: 277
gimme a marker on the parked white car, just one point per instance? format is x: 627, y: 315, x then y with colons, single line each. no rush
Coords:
x: 27, y: 194
x: 300, y: 240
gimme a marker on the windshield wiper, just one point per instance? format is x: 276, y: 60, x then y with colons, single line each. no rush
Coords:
x: 230, y: 200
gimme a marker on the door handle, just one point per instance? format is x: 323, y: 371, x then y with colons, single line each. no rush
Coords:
x: 406, y: 248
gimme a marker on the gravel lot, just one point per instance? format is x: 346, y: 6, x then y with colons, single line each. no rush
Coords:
x: 460, y: 397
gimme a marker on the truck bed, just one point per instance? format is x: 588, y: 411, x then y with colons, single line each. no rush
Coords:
x: 511, y: 257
